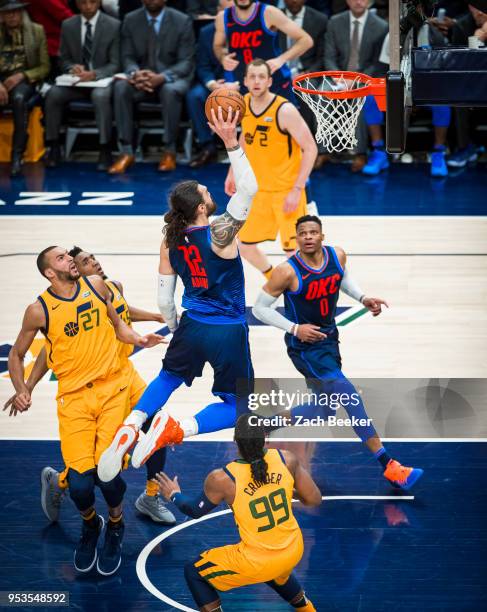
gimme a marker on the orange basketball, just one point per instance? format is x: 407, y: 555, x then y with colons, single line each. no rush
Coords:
x: 226, y: 98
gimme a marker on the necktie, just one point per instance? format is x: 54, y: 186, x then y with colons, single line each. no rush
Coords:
x: 354, y: 47
x: 87, y: 47
x: 152, y: 46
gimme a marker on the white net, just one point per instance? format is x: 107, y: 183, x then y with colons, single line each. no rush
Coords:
x: 336, y: 117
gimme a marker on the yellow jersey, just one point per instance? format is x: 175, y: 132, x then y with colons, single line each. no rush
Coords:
x: 122, y: 309
x: 81, y: 344
x: 274, y: 155
x: 263, y: 511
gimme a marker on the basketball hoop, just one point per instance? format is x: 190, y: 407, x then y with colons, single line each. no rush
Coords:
x: 336, y: 99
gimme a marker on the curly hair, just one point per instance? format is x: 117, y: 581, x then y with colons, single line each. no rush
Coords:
x: 184, y: 199
x: 250, y: 440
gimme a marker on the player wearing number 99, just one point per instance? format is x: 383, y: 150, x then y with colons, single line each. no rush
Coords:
x: 81, y: 328
x: 213, y: 328
x: 310, y: 281
x: 259, y: 487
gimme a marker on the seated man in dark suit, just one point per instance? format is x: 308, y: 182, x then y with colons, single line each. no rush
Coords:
x: 209, y: 73
x: 313, y: 23
x: 353, y: 42
x: 89, y: 49
x: 158, y: 59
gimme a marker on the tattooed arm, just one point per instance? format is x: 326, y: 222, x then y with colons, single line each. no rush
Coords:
x: 224, y: 228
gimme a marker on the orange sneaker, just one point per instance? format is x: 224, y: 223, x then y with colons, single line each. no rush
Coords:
x: 164, y: 431
x: 111, y: 460
x: 400, y: 476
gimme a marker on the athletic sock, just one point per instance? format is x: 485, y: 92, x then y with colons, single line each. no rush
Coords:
x: 382, y: 457
x: 91, y: 519
x: 136, y: 418
x: 268, y: 273
x: 189, y: 426
x: 115, y: 521
x: 151, y: 488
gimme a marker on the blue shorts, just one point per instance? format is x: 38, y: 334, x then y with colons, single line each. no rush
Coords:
x: 225, y: 347
x: 320, y: 360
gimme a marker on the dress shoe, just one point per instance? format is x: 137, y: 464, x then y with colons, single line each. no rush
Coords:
x: 206, y: 156
x: 168, y: 162
x: 53, y: 156
x: 121, y: 165
x: 321, y: 160
x: 16, y: 167
x: 358, y: 163
x: 105, y: 160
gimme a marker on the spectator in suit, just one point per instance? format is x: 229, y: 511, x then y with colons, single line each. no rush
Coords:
x: 50, y: 14
x: 23, y: 63
x: 90, y: 48
x: 353, y: 41
x: 473, y: 23
x: 127, y: 6
x: 313, y: 23
x: 158, y: 59
x: 209, y: 74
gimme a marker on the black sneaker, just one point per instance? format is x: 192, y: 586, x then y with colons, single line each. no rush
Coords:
x: 111, y: 553
x: 53, y: 156
x: 85, y: 553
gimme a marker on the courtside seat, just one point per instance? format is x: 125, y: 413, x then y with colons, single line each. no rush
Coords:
x: 80, y: 119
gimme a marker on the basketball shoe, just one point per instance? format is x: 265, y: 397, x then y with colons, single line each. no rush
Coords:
x: 400, y: 476
x: 52, y: 495
x: 164, y: 431
x: 111, y: 460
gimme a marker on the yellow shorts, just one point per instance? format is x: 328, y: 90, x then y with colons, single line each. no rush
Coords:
x: 89, y: 418
x: 267, y: 217
x: 136, y: 385
x: 235, y: 565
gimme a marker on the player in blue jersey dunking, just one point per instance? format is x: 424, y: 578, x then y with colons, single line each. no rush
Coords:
x: 250, y: 30
x: 310, y: 281
x: 213, y: 328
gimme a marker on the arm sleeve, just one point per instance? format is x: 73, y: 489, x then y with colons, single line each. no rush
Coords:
x: 351, y: 288
x: 165, y: 299
x: 245, y: 182
x: 195, y: 508
x: 264, y: 312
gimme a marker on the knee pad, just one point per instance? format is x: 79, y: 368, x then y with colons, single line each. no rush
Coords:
x: 113, y: 491
x: 82, y: 488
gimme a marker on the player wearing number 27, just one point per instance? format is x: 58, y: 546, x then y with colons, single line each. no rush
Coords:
x: 213, y: 329
x: 81, y: 328
x: 258, y: 487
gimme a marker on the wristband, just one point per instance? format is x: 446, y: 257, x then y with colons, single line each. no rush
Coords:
x: 236, y: 148
x: 295, y: 330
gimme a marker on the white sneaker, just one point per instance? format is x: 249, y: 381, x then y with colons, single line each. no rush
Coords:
x: 110, y: 462
x: 155, y: 508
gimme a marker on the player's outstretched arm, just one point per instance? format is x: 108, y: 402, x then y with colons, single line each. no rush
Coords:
x: 305, y: 488
x: 123, y: 331
x: 225, y: 227
x: 351, y: 288
x: 166, y: 286
x: 275, y: 18
x: 215, y: 492
x: 34, y: 320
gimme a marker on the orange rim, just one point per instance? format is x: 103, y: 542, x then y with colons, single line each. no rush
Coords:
x: 372, y: 86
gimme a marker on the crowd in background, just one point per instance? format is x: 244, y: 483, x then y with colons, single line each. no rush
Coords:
x: 163, y: 51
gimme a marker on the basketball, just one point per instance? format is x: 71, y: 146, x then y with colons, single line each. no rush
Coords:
x: 226, y: 98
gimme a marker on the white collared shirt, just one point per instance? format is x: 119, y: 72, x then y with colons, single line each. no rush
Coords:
x: 361, y: 21
x: 295, y: 65
x: 93, y: 21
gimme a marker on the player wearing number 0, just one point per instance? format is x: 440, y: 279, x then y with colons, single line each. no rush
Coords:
x: 81, y: 329
x: 249, y: 30
x: 282, y: 152
x: 310, y: 282
x: 259, y: 487
x: 213, y: 328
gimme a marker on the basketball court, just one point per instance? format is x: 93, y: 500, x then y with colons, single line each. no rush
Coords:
x: 419, y: 243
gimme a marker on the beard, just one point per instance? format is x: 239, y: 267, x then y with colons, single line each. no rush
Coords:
x: 211, y: 208
x: 65, y: 277
x: 243, y: 5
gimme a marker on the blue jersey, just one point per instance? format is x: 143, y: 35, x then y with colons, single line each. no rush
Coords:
x: 252, y: 39
x: 214, y: 290
x: 316, y: 297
